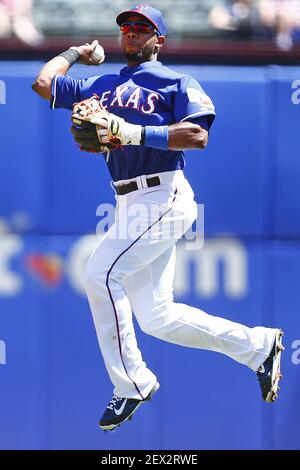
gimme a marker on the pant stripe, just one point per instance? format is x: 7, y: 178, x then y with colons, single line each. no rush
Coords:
x: 111, y: 297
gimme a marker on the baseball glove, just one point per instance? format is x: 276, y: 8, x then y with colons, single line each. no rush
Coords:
x: 85, y: 133
x: 97, y: 130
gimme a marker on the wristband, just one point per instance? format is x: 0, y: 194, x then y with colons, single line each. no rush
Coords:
x: 156, y: 137
x: 71, y: 55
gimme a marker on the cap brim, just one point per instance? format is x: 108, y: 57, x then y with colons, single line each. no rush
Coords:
x: 122, y: 17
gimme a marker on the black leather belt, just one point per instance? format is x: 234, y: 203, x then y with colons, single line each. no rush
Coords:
x: 132, y: 186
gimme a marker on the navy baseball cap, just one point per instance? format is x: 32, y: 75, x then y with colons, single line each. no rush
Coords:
x: 152, y: 15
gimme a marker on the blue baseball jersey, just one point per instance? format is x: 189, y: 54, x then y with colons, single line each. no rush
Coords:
x: 149, y: 94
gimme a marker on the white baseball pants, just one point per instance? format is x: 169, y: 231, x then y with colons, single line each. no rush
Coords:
x: 132, y: 269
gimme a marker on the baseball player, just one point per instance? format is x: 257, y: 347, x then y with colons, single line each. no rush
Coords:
x: 147, y: 116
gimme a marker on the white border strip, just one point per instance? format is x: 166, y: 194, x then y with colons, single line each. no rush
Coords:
x: 54, y: 92
x: 204, y: 113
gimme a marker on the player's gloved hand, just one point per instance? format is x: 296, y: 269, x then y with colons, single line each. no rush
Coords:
x: 85, y: 135
x: 97, y: 130
x: 84, y: 132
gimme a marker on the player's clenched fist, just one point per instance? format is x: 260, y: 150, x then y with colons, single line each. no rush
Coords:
x: 97, y: 130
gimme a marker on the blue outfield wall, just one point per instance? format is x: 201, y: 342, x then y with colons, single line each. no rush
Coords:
x: 52, y: 378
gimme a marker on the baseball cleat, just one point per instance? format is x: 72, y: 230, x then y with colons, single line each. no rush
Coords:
x: 268, y: 374
x: 121, y: 409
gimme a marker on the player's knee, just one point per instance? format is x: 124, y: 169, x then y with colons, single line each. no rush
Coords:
x: 150, y: 323
x: 100, y: 280
x: 93, y: 279
x: 156, y: 321
x: 153, y: 329
x: 147, y: 327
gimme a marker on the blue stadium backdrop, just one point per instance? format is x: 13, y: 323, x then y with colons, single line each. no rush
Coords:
x: 53, y: 384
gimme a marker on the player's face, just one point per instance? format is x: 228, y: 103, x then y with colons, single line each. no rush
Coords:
x: 140, y: 45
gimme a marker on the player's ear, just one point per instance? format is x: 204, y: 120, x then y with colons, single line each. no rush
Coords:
x: 159, y: 43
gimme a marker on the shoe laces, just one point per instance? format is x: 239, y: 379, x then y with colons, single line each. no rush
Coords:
x: 113, y: 402
x: 261, y: 369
